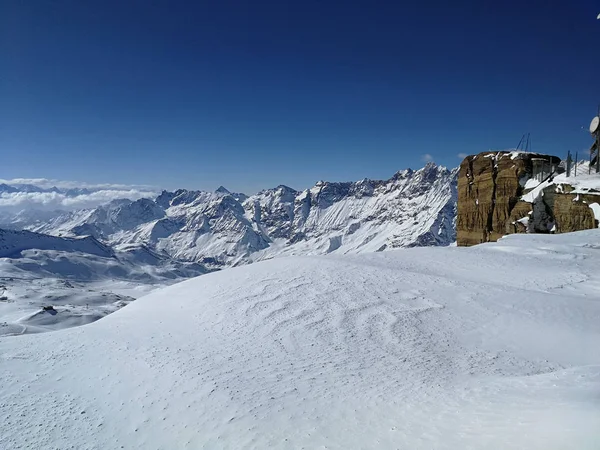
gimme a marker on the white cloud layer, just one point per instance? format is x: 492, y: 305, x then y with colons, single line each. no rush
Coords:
x: 46, y: 183
x: 462, y: 155
x: 427, y: 157
x: 95, y: 195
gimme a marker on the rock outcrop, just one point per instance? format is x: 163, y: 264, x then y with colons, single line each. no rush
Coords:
x: 571, y: 211
x: 490, y: 186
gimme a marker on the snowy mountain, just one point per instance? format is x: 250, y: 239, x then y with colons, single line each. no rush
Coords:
x: 493, y: 346
x: 27, y: 218
x: 81, y: 278
x: 14, y: 242
x: 219, y: 229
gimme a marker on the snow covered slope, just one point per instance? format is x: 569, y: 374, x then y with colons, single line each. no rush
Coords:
x: 494, y: 346
x: 81, y: 277
x: 220, y: 229
x: 13, y: 242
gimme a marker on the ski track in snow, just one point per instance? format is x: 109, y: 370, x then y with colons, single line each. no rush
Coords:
x: 494, y: 346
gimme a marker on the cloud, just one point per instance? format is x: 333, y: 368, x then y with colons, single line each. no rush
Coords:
x: 68, y: 195
x: 46, y: 183
x: 462, y: 155
x: 427, y: 157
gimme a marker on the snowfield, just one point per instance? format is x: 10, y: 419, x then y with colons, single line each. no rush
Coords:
x: 494, y: 346
x: 82, y: 279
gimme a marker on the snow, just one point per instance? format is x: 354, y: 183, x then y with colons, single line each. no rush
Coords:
x: 583, y: 183
x: 493, y: 346
x: 596, y: 209
x: 536, y: 191
x: 532, y: 183
x: 524, y: 221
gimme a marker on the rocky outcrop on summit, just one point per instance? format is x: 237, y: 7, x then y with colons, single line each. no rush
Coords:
x: 506, y: 192
x: 490, y: 185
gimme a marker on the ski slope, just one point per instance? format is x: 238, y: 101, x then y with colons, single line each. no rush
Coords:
x: 493, y: 346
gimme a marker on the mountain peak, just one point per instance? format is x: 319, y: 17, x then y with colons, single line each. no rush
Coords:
x: 222, y: 190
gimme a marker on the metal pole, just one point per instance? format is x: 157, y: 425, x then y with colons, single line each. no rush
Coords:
x: 597, y: 152
x: 530, y: 145
x: 519, y: 144
x: 598, y: 146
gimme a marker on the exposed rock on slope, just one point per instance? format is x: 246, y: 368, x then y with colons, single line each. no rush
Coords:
x: 572, y: 212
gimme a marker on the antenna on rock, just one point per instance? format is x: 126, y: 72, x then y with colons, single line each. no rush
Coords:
x: 525, y: 143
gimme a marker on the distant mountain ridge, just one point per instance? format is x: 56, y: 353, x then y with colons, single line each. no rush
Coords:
x: 13, y: 242
x: 220, y: 229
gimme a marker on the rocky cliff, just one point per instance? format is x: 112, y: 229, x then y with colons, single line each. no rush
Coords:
x: 501, y: 193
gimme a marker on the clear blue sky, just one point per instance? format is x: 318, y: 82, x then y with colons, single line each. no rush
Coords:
x: 254, y: 94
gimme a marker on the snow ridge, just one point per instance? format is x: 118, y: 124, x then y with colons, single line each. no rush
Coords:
x: 13, y: 242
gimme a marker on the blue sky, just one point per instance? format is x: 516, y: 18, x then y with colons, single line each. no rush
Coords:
x: 255, y: 94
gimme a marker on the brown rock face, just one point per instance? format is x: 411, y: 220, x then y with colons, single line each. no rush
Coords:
x: 490, y: 185
x: 572, y: 212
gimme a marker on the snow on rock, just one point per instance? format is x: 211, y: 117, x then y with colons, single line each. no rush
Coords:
x: 584, y: 183
x: 494, y: 346
x: 596, y: 208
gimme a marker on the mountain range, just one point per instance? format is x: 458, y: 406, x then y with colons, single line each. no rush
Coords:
x: 221, y: 229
